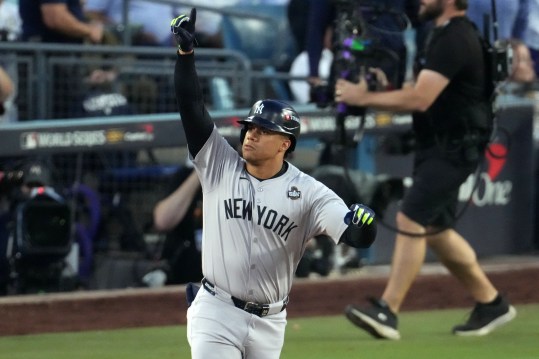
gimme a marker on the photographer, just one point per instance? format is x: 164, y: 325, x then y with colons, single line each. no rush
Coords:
x: 451, y: 117
x: 179, y: 215
x: 35, y: 230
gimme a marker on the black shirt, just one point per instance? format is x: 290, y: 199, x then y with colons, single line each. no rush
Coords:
x: 33, y: 26
x: 453, y: 50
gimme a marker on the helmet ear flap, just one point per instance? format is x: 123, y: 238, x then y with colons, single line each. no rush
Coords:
x: 243, y: 132
x: 292, y: 145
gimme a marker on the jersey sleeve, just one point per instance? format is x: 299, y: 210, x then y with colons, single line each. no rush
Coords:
x: 328, y: 211
x: 215, y: 160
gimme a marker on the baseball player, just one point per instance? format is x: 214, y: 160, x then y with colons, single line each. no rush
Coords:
x: 259, y: 212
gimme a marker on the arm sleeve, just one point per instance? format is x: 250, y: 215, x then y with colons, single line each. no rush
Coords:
x: 196, y: 120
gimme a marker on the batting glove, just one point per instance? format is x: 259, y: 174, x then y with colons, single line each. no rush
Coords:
x: 359, y: 215
x: 363, y: 231
x: 183, y: 28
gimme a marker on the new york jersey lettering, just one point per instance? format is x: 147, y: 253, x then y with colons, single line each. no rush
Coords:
x: 238, y: 208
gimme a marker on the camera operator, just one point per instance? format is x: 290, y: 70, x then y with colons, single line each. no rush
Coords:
x: 4, y: 233
x: 384, y: 15
x: 451, y: 117
x: 11, y: 189
x: 35, y: 230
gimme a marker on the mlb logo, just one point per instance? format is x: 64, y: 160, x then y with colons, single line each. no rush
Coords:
x: 29, y: 140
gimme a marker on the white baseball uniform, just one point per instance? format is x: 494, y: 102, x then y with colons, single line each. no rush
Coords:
x: 254, y: 234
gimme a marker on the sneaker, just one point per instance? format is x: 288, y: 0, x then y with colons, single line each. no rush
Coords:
x: 485, y: 318
x: 378, y: 320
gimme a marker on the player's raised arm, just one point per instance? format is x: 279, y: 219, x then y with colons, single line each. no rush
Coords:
x: 361, y: 231
x: 196, y: 121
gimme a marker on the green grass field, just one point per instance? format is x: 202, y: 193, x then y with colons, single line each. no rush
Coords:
x: 425, y: 335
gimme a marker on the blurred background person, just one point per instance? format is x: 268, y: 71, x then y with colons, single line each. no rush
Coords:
x: 59, y: 21
x: 62, y: 22
x: 320, y: 24
x: 511, y: 17
x: 208, y: 31
x: 7, y: 89
x: 145, y: 19
x: 179, y: 215
x: 513, y: 23
x: 10, y: 21
x: 311, y: 23
x: 10, y: 30
x: 6, y: 85
x: 531, y: 35
x: 522, y: 69
x: 297, y: 16
x: 519, y: 87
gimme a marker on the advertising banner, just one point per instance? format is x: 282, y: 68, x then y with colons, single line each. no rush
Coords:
x: 497, y: 204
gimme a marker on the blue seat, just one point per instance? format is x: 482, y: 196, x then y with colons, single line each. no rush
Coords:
x: 262, y: 33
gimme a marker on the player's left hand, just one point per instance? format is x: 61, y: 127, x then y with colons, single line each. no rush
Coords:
x: 360, y: 215
x: 361, y: 231
x: 183, y: 28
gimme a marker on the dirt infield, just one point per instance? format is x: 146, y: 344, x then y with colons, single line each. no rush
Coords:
x: 310, y: 297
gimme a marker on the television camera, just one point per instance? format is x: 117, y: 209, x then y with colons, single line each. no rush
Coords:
x: 38, y: 231
x: 366, y: 34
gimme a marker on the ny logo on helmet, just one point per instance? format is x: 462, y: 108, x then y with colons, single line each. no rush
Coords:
x: 259, y: 109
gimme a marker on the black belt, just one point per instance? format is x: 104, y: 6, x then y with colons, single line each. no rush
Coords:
x: 257, y: 309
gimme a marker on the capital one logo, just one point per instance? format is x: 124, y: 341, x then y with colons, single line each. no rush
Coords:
x: 487, y: 189
x: 496, y: 155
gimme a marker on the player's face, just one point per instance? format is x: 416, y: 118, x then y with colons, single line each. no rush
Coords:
x: 261, y: 144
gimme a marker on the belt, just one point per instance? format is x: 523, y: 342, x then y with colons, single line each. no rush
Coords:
x: 257, y: 309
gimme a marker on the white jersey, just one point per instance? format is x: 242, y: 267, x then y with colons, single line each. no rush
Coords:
x: 255, y: 232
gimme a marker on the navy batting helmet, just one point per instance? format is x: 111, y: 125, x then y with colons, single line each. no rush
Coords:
x: 274, y: 115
